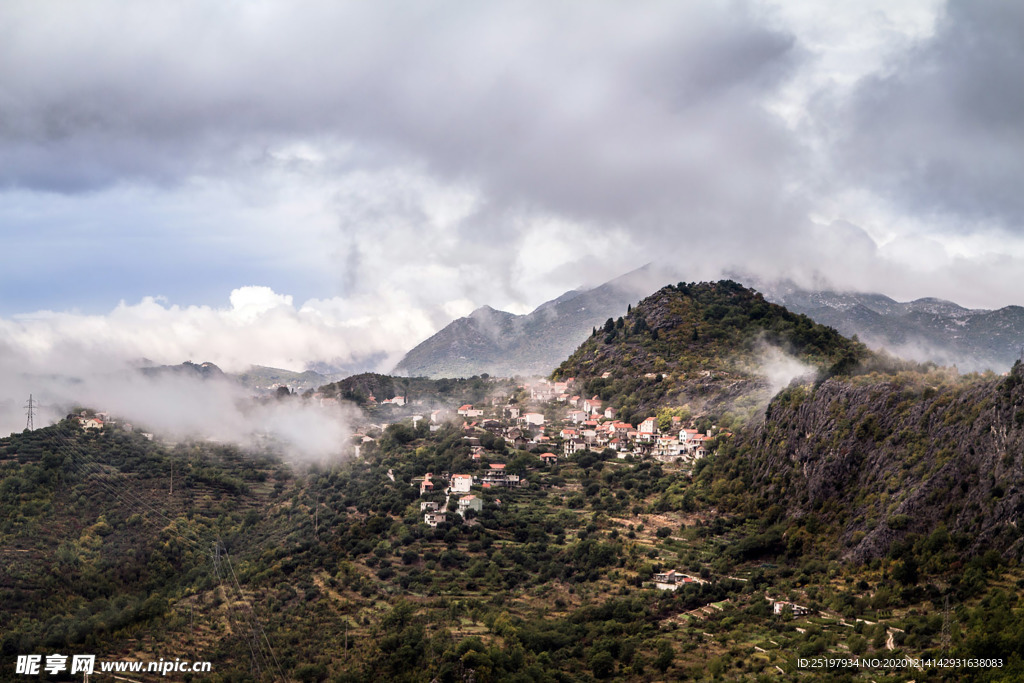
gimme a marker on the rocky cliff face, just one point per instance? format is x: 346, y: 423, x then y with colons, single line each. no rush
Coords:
x: 883, y: 460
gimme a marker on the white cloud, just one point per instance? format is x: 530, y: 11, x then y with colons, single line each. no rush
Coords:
x: 260, y: 327
x: 393, y: 168
x: 176, y: 406
x: 248, y: 304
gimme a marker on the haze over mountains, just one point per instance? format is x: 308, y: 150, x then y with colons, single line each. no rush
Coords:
x: 927, y: 329
x: 501, y: 343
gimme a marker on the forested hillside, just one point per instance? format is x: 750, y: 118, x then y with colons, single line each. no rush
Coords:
x: 871, y: 509
x: 359, y: 389
x: 706, y: 345
x: 331, y: 574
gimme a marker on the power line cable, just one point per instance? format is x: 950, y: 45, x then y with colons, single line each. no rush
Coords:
x: 85, y: 465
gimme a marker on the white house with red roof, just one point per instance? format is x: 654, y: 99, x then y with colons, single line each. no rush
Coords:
x: 688, y: 435
x: 470, y: 502
x: 497, y: 476
x: 462, y: 483
x: 622, y: 428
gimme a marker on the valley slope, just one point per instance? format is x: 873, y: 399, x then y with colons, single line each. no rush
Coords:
x: 869, y: 509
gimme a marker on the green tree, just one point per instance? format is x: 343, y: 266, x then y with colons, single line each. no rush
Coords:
x: 666, y: 655
x: 602, y: 664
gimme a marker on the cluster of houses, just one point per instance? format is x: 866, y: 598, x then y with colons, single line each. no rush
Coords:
x: 495, y: 476
x: 578, y: 424
x: 584, y: 424
x: 99, y: 420
x: 434, y: 512
x: 589, y: 425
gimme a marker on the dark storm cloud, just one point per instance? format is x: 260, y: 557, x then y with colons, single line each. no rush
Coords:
x: 590, y: 111
x: 943, y: 130
x: 396, y: 164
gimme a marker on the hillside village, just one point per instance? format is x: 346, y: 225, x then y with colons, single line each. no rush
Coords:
x: 549, y: 419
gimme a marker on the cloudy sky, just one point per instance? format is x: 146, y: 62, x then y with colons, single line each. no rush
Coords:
x: 284, y: 182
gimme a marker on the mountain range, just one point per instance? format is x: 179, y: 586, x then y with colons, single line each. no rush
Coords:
x: 928, y: 329
x: 504, y: 344
x: 261, y: 380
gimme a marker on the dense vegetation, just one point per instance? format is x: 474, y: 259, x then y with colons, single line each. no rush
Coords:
x: 885, y: 499
x: 96, y: 549
x: 338, y: 571
x: 883, y: 460
x: 431, y: 392
x: 704, y: 345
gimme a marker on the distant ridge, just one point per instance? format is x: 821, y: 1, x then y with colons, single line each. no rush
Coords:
x: 926, y: 329
x: 505, y: 344
x: 264, y: 380
x: 205, y: 371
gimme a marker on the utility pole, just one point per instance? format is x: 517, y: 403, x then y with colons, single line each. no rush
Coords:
x: 30, y: 413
